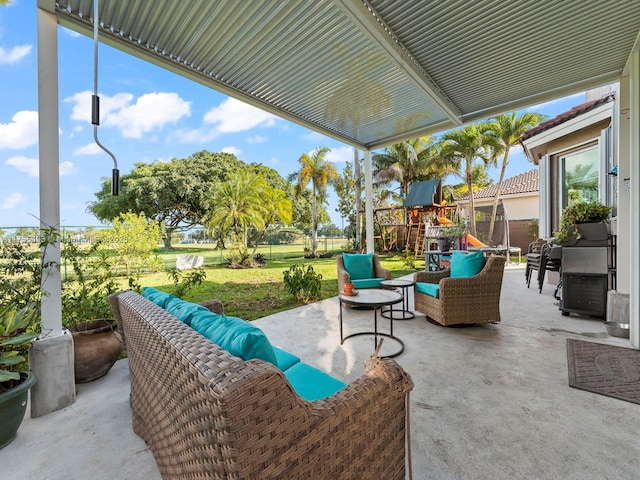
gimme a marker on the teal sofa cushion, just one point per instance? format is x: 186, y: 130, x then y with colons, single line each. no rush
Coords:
x: 466, y: 264
x: 184, y: 311
x: 311, y: 383
x: 358, y: 265
x: 285, y: 360
x: 158, y: 297
x: 235, y: 335
x: 431, y: 289
x: 367, y: 283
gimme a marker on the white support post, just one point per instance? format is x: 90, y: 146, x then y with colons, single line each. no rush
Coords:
x: 51, y: 357
x: 368, y: 199
x: 634, y: 218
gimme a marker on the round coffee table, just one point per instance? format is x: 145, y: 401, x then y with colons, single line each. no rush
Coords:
x: 375, y: 298
x: 404, y: 285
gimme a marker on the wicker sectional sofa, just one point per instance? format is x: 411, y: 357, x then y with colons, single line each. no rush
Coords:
x: 206, y: 413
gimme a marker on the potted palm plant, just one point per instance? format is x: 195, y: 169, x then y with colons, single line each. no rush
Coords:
x: 584, y: 224
x: 15, y: 379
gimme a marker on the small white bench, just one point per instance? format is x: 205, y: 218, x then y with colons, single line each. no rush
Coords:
x: 187, y: 262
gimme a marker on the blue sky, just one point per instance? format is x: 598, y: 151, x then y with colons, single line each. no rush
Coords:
x: 147, y: 114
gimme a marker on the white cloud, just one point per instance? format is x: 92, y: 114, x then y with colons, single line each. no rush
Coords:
x: 150, y: 111
x: 257, y: 139
x: 315, y: 137
x: 14, y: 54
x: 12, y: 200
x: 88, y: 149
x: 341, y: 154
x: 21, y: 132
x: 232, y: 150
x: 30, y: 166
x: 235, y: 116
x: 66, y: 168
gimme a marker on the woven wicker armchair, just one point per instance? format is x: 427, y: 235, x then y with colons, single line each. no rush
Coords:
x: 466, y: 300
x: 343, y: 275
x: 207, y: 414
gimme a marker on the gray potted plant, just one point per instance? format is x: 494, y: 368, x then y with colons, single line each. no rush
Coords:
x: 584, y: 224
x: 448, y: 234
x: 15, y: 378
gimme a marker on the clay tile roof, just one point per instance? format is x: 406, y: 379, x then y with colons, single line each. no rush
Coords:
x: 526, y: 182
x: 566, y: 116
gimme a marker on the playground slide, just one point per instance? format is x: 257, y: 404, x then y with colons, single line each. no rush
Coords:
x: 474, y: 242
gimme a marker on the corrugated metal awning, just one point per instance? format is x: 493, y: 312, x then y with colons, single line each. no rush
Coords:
x: 370, y: 73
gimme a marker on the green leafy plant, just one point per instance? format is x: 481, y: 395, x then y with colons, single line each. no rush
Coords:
x: 84, y: 294
x: 303, y: 282
x: 580, y: 212
x: 455, y: 230
x: 183, y: 280
x: 408, y: 258
x: 14, y: 341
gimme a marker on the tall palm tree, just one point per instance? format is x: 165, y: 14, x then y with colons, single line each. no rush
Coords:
x: 238, y: 204
x: 277, y: 210
x: 320, y: 172
x: 408, y: 162
x: 507, y: 129
x: 462, y: 147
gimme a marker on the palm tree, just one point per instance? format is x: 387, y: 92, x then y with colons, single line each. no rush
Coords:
x: 408, y: 162
x: 238, y: 204
x: 277, y: 210
x: 461, y: 147
x: 507, y: 129
x: 320, y: 172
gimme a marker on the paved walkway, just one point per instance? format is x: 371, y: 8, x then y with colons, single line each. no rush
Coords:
x: 490, y: 402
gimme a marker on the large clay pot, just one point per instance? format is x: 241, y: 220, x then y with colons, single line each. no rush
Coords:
x: 13, y: 404
x: 96, y: 347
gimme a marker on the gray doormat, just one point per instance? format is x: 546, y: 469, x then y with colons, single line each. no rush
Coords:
x: 604, y: 369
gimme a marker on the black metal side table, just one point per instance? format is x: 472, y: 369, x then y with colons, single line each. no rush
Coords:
x: 375, y: 298
x: 404, y: 285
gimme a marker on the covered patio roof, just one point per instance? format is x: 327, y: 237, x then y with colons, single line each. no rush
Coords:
x: 373, y: 72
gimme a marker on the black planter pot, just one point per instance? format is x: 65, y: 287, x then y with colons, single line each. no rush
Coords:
x: 13, y: 404
x: 591, y: 235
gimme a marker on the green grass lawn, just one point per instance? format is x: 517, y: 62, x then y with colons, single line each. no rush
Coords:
x: 257, y: 292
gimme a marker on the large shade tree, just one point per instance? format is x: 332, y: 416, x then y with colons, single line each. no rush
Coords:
x: 464, y: 146
x: 315, y: 168
x: 171, y: 193
x: 507, y: 129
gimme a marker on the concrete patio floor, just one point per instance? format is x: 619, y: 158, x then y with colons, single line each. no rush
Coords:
x: 490, y: 402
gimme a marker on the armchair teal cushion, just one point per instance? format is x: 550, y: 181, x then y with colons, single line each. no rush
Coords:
x: 358, y: 265
x: 367, y: 283
x: 431, y: 289
x: 235, y: 335
x: 311, y: 383
x: 466, y: 264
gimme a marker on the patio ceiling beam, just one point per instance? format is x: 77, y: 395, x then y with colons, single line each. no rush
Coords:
x: 371, y: 24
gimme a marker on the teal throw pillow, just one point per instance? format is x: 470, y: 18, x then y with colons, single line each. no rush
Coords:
x: 183, y: 311
x: 466, y: 264
x: 235, y: 335
x: 158, y: 297
x: 358, y: 265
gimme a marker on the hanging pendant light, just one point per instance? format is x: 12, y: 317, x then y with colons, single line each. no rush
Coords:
x: 95, y: 105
